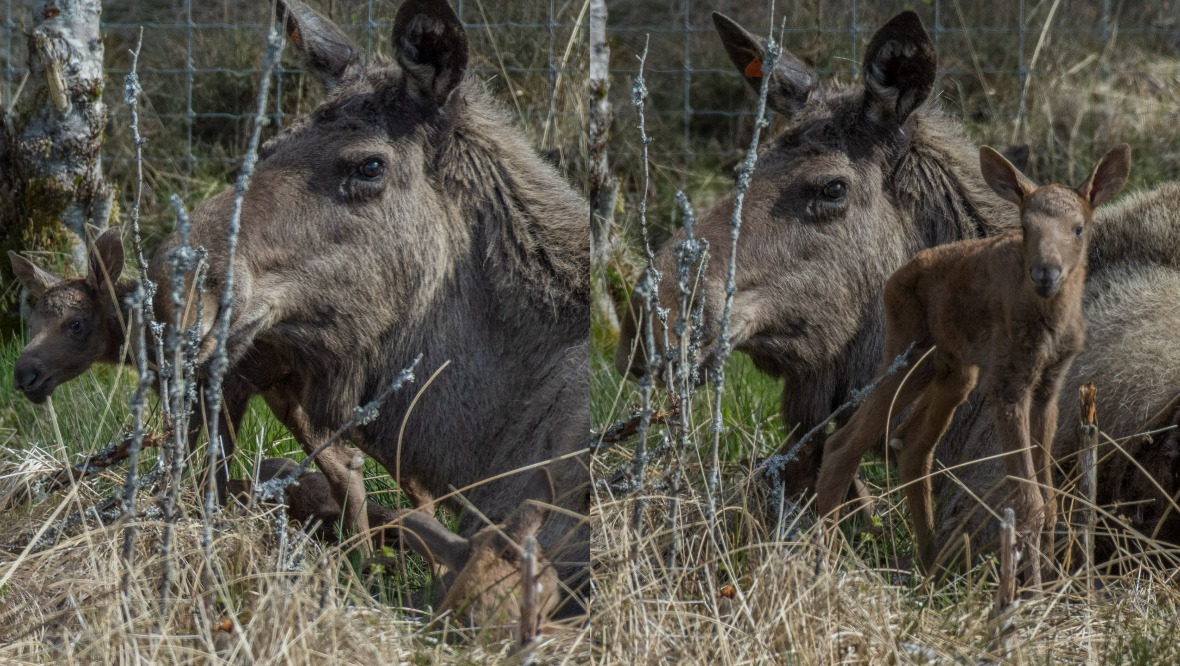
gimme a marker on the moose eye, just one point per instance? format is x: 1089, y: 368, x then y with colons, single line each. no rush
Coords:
x: 1078, y: 231
x: 835, y: 190
x: 76, y: 326
x: 371, y: 168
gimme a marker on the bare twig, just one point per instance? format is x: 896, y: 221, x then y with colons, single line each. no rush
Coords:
x: 1006, y: 589
x: 1088, y: 431
x: 724, y: 347
x: 647, y: 287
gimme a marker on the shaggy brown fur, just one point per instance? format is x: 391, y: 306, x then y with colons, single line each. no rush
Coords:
x: 1009, y: 306
x: 812, y: 261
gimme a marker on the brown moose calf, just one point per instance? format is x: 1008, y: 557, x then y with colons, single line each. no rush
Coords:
x: 490, y: 589
x: 1009, y: 305
x: 486, y: 589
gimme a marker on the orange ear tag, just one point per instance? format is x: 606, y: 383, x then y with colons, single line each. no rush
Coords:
x: 296, y: 36
x: 754, y: 69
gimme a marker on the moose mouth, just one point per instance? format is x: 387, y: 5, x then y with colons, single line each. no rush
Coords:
x: 40, y: 392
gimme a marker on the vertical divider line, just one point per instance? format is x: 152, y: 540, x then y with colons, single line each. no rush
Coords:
x: 189, y: 114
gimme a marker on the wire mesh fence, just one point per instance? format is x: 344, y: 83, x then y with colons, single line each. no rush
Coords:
x: 1045, y: 72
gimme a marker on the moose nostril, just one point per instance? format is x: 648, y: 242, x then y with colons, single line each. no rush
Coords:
x: 26, y: 377
x: 1052, y: 275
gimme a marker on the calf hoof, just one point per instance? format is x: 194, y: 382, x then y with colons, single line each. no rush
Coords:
x: 896, y: 443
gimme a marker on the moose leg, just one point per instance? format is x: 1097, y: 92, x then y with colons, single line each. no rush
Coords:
x: 922, y: 430
x: 844, y: 449
x: 1011, y: 413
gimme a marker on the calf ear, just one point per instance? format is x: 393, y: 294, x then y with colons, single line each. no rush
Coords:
x: 792, y: 80
x: 106, y: 259
x: 527, y: 518
x: 900, y: 65
x: 431, y: 46
x: 1004, y: 179
x: 34, y: 279
x: 326, y: 50
x: 1108, y: 177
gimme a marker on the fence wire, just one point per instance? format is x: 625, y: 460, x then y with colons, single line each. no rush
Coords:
x: 999, y: 62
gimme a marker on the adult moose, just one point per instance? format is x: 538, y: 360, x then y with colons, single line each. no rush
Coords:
x: 405, y: 215
x: 862, y: 178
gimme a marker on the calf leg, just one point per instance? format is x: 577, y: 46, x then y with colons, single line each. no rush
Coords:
x: 1043, y: 428
x: 1011, y: 415
x: 922, y: 430
x: 347, y: 487
x: 844, y: 450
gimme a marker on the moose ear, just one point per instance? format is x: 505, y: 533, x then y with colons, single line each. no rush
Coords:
x: 1004, y: 179
x: 900, y: 66
x: 106, y: 259
x: 792, y: 80
x: 527, y: 518
x: 36, y: 280
x: 325, y: 49
x: 1108, y: 177
x: 431, y: 46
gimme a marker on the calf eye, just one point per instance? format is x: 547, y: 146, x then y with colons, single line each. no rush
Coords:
x: 1078, y: 232
x: 76, y: 326
x: 835, y: 190
x: 371, y: 168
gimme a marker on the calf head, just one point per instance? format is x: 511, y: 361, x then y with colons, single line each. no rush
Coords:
x: 75, y: 323
x: 1055, y: 219
x: 487, y: 588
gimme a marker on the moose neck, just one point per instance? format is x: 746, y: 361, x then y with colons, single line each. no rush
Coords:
x: 530, y: 233
x: 938, y: 185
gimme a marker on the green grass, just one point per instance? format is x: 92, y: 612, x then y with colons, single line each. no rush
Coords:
x: 89, y: 412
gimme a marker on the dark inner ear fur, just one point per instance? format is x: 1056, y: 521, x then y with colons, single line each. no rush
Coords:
x: 430, y: 44
x: 1108, y: 177
x: 900, y: 66
x: 106, y: 259
x: 1004, y: 178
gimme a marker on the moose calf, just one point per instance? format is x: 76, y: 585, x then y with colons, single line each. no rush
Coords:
x: 1009, y: 305
x: 488, y: 588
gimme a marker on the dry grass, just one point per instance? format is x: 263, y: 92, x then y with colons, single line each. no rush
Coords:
x: 65, y: 604
x: 739, y: 596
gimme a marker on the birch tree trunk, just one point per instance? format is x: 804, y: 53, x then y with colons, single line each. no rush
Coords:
x: 51, y: 180
x: 603, y: 186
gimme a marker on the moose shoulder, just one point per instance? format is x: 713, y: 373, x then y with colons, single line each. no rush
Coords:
x: 863, y: 178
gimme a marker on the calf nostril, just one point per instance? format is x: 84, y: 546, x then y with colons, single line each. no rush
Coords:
x: 1042, y: 275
